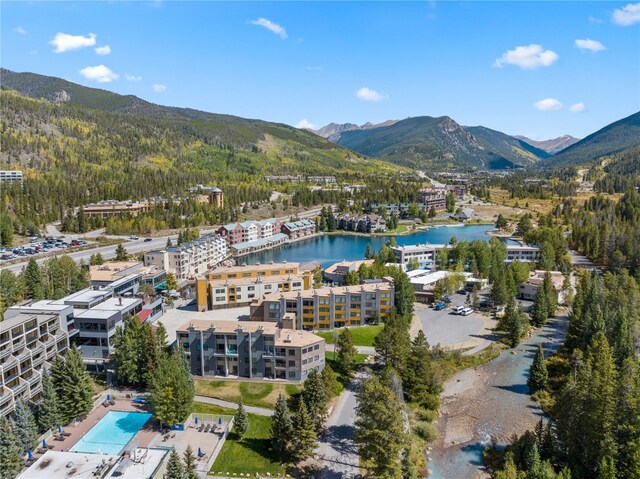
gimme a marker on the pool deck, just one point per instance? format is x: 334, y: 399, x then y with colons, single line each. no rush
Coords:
x: 143, y: 438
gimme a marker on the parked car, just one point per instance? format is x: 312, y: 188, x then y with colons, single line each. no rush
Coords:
x: 439, y: 306
x: 7, y: 256
x: 458, y: 309
x: 466, y: 311
x: 146, y: 240
x: 75, y: 243
x: 133, y: 237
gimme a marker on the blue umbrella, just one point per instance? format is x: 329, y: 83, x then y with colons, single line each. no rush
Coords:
x: 199, y: 452
x: 44, y: 443
x: 29, y: 454
x: 59, y: 428
x: 196, y: 419
x: 108, y: 397
x: 220, y: 421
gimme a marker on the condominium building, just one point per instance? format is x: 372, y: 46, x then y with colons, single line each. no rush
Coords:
x: 369, y: 223
x: 10, y: 176
x: 299, y: 229
x: 432, y: 198
x: 190, y: 259
x: 328, y: 308
x: 523, y: 253
x: 107, y: 273
x: 246, y: 231
x: 327, y: 180
x: 250, y: 349
x: 231, y: 286
x: 529, y: 289
x: 424, y: 254
x: 214, y: 194
x: 28, y: 343
x: 337, y: 272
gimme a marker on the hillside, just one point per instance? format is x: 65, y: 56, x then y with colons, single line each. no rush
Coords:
x: 425, y: 142
x: 333, y: 131
x: 617, y: 137
x: 553, y: 146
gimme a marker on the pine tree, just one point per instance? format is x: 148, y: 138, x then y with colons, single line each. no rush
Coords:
x: 31, y: 276
x: 393, y: 343
x: 26, y: 429
x: 169, y: 243
x: 241, y: 421
x: 172, y: 389
x: 538, y: 375
x: 607, y: 468
x: 379, y: 428
x: 330, y: 382
x: 121, y: 253
x: 408, y: 468
x: 303, y: 439
x: 189, y: 459
x: 628, y: 419
x: 346, y: 353
x: 74, y: 387
x: 281, y: 428
x: 540, y: 312
x: 315, y: 399
x: 552, y: 295
x: 175, y: 470
x: 48, y: 411
x: 11, y: 462
x: 171, y: 281
x: 419, y: 379
x: 368, y: 253
x: 125, y: 353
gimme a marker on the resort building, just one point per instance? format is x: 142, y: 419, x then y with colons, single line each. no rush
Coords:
x: 10, y: 176
x: 246, y: 231
x: 299, y: 229
x: 327, y: 180
x: 108, y: 273
x: 523, y: 253
x: 464, y: 214
x: 369, y: 223
x: 328, y: 308
x: 424, y: 254
x: 241, y: 249
x: 190, y: 259
x: 28, y: 343
x: 432, y: 198
x: 337, y: 272
x: 213, y: 194
x: 284, y: 178
x: 232, y: 286
x: 529, y: 288
x: 250, y: 349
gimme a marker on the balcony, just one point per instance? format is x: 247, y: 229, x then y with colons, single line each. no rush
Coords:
x: 33, y: 379
x: 9, y: 363
x: 37, y: 361
x: 19, y: 344
x: 5, y: 352
x: 20, y: 387
x: 232, y: 352
x: 6, y: 408
x: 269, y: 353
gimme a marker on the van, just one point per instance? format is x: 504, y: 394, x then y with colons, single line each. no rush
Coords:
x: 466, y: 311
x: 458, y: 310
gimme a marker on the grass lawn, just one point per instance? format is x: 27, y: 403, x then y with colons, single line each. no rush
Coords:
x: 260, y: 394
x: 248, y: 455
x: 362, y: 335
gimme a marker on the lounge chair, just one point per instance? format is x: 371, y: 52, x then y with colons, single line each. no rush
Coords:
x: 59, y: 437
x: 41, y: 450
x: 201, y: 428
x: 65, y: 433
x: 112, y: 402
x: 106, y: 403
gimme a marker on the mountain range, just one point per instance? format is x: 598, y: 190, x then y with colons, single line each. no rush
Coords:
x: 553, y: 146
x: 332, y: 131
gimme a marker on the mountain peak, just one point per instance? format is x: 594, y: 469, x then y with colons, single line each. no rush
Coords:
x: 552, y: 146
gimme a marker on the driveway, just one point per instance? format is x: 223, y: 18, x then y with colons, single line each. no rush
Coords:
x: 336, y: 450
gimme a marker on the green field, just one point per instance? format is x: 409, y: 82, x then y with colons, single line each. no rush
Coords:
x: 362, y: 335
x: 260, y: 394
x: 249, y: 455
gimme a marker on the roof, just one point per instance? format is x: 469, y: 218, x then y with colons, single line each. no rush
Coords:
x: 112, y: 270
x: 352, y: 265
x: 298, y: 225
x: 252, y: 267
x: 276, y: 238
x: 418, y: 247
x: 55, y: 465
x: 309, y: 293
x: 144, y: 314
x: 537, y: 277
x: 144, y: 465
x: 255, y: 280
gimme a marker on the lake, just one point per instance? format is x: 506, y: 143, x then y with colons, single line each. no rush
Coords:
x: 328, y: 249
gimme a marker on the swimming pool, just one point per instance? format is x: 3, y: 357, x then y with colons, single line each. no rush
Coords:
x: 112, y: 432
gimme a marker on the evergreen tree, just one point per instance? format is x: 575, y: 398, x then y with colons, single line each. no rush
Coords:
x: 31, y: 278
x: 538, y: 375
x: 161, y: 338
x: 540, y: 312
x: 607, y: 469
x: 171, y: 281
x: 393, y: 343
x: 241, y: 421
x: 169, y: 243
x: 379, y: 428
x: 419, y: 378
x: 281, y: 427
x: 48, y: 412
x: 11, y: 462
x: 175, y: 470
x: 628, y: 420
x: 346, y: 352
x: 330, y: 382
x: 368, y: 253
x: 499, y: 291
x: 189, y: 459
x: 408, y: 468
x: 121, y: 253
x: 501, y: 222
x: 315, y: 399
x: 26, y: 429
x: 73, y: 385
x: 552, y: 295
x: 125, y: 353
x: 172, y: 389
x: 303, y: 439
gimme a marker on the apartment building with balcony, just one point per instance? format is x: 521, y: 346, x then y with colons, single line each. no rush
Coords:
x: 424, y: 254
x: 246, y: 231
x: 328, y: 308
x: 107, y: 273
x: 232, y: 286
x: 28, y: 344
x: 188, y: 260
x: 523, y: 253
x: 250, y: 349
x: 432, y: 198
x: 299, y: 229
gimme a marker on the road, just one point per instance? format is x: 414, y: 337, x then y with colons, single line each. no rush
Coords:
x: 336, y: 450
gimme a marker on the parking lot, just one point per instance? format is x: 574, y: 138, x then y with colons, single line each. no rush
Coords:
x: 39, y: 246
x: 453, y: 331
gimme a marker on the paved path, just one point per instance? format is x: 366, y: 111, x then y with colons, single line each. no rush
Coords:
x: 336, y: 450
x: 260, y: 411
x: 361, y: 349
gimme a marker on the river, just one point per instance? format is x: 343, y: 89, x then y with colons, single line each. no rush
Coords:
x: 489, y: 401
x: 328, y: 249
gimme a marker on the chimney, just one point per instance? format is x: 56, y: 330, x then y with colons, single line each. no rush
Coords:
x: 119, y: 300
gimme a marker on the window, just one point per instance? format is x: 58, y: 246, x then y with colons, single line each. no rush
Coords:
x: 220, y: 298
x: 273, y: 306
x: 316, y: 358
x: 246, y: 275
x: 219, y: 290
x: 297, y: 284
x: 267, y: 286
x: 292, y: 364
x: 316, y: 347
x: 292, y: 352
x: 251, y: 288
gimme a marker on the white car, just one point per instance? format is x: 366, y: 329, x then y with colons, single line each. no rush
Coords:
x: 458, y: 310
x: 466, y: 311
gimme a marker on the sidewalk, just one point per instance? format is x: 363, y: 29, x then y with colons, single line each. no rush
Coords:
x: 260, y: 411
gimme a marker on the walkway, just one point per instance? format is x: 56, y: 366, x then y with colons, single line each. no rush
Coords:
x: 260, y: 411
x: 361, y: 349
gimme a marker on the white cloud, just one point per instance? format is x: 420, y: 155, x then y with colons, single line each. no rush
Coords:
x: 106, y: 50
x: 527, y: 57
x: 548, y: 104
x: 100, y: 73
x: 577, y: 108
x: 594, y: 20
x: 20, y: 30
x: 627, y: 15
x: 368, y: 94
x: 304, y: 123
x: 65, y: 42
x: 132, y: 77
x: 271, y: 26
x: 158, y: 88
x: 592, y: 45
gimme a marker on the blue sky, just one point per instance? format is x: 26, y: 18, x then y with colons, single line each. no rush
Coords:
x: 541, y: 69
